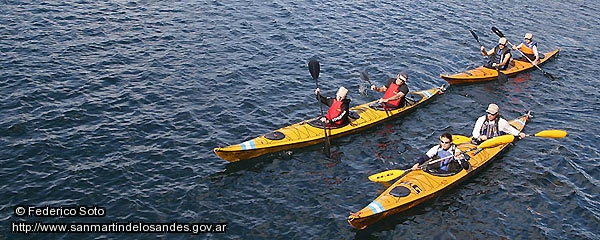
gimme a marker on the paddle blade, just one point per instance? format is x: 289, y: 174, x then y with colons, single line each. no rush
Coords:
x: 502, y: 77
x: 497, y: 32
x: 552, y: 134
x: 474, y: 35
x: 499, y: 140
x: 549, y: 75
x: 315, y: 68
x: 458, y: 139
x: 327, y: 147
x: 386, y: 176
x: 364, y: 76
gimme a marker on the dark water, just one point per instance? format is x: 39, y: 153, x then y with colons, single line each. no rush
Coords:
x: 118, y: 104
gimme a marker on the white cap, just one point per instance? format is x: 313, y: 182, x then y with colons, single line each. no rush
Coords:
x: 503, y: 41
x: 342, y: 92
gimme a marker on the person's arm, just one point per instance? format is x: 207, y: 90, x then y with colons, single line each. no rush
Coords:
x: 506, y: 60
x: 378, y: 89
x: 518, y: 46
x: 458, y: 154
x: 537, y: 54
x: 325, y: 100
x: 402, y: 91
x: 384, y: 87
x: 504, y: 126
x: 423, y: 158
x: 477, y: 127
x: 483, y: 52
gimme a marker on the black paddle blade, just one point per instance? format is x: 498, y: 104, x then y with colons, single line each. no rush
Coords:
x: 315, y: 68
x: 502, y: 76
x: 497, y: 32
x: 364, y: 76
x: 549, y: 75
x: 474, y: 35
x: 327, y: 147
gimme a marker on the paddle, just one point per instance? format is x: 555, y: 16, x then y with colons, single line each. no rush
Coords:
x: 499, y: 33
x: 501, y: 75
x: 553, y: 133
x: 460, y: 139
x: 389, y: 175
x: 365, y: 77
x: 315, y: 68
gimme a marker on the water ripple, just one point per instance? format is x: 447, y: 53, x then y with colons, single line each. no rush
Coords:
x: 119, y: 104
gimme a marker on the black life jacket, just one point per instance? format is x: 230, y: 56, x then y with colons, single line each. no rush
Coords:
x: 498, y: 55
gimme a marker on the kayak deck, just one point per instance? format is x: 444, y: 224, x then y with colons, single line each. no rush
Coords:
x: 304, y: 134
x: 483, y: 74
x: 418, y: 186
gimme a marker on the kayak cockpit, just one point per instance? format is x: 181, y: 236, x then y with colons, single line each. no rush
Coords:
x: 453, y: 169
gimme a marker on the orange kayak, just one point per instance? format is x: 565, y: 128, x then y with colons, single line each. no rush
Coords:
x: 483, y: 74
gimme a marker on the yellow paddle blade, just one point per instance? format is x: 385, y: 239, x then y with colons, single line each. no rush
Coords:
x: 499, y: 140
x: 458, y: 139
x: 386, y: 176
x: 553, y: 133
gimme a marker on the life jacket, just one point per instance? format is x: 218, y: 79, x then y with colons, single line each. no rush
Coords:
x: 448, y: 154
x: 334, y: 111
x: 490, y: 129
x: 498, y: 55
x: 528, y: 48
x: 392, y: 91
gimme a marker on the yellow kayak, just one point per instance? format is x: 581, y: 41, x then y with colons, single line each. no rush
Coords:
x: 483, y: 74
x: 305, y: 134
x: 417, y: 186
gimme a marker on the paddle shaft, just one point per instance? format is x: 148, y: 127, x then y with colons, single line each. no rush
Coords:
x: 389, y: 175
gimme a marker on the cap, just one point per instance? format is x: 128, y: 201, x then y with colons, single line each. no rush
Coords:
x: 403, y: 75
x: 492, y: 109
x: 502, y: 41
x: 342, y: 92
x: 528, y: 35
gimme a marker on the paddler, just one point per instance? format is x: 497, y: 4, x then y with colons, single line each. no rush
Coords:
x: 339, y: 108
x: 529, y: 49
x: 493, y: 125
x: 444, y: 156
x: 499, y: 56
x: 395, y: 92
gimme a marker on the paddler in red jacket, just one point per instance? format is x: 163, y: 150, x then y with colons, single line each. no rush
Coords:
x: 339, y: 108
x: 395, y: 91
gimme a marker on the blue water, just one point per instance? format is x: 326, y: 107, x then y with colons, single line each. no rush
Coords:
x: 118, y: 104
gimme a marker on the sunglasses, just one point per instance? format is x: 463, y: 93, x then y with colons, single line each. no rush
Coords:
x: 493, y: 114
x: 442, y: 142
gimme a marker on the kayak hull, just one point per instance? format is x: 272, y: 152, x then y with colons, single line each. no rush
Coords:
x: 304, y: 134
x: 483, y: 74
x: 418, y: 186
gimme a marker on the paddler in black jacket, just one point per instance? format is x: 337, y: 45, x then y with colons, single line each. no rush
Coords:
x: 339, y: 108
x: 499, y: 56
